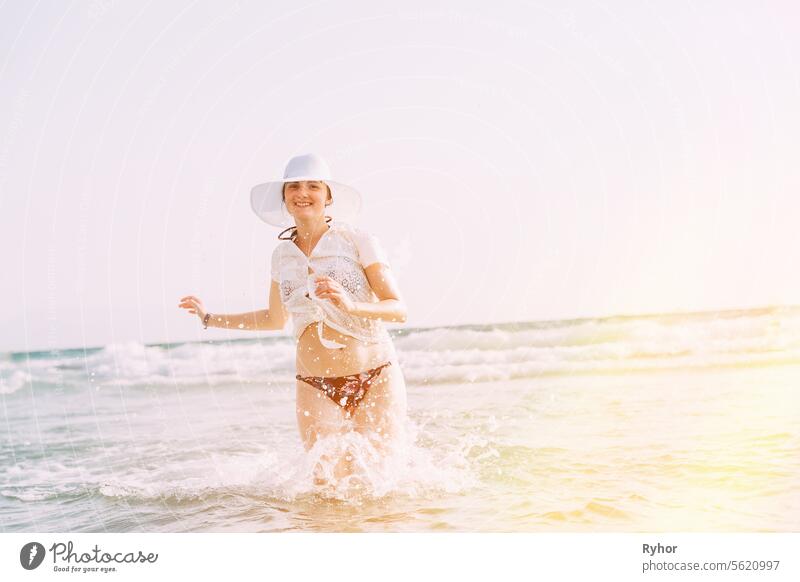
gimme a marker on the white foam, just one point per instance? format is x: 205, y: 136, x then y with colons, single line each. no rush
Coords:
x: 289, y: 473
x: 13, y: 380
x: 433, y: 356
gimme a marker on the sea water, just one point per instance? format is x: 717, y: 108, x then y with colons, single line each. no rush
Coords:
x: 675, y: 422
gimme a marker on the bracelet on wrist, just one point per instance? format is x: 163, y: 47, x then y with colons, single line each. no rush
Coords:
x: 205, y: 321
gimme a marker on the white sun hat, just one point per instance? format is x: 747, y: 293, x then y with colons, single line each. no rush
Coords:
x: 267, y: 201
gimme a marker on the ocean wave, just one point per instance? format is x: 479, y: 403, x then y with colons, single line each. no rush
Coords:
x: 448, y: 354
x: 12, y: 380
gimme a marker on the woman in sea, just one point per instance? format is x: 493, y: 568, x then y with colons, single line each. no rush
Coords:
x: 333, y: 280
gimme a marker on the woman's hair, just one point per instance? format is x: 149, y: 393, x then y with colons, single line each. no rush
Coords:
x: 293, y: 234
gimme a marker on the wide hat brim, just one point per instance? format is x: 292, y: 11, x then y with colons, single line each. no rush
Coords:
x: 266, y: 201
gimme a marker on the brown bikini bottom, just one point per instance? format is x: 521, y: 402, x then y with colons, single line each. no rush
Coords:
x: 346, y: 391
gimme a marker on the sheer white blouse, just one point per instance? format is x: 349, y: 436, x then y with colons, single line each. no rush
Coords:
x: 342, y: 254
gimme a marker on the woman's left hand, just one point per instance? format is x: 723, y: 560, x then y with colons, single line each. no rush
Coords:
x: 327, y: 288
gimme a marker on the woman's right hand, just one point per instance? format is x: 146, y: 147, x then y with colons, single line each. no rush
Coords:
x: 193, y: 305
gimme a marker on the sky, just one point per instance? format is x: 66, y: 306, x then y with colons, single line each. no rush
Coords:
x: 518, y: 161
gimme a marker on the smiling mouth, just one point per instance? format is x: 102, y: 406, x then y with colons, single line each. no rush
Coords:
x: 302, y: 204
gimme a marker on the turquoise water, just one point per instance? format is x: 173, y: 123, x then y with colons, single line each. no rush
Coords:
x: 653, y: 423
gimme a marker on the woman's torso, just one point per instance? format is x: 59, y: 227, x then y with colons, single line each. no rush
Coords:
x: 313, y: 359
x: 337, y: 255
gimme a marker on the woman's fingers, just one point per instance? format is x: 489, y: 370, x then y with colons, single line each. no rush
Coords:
x: 191, y: 303
x: 326, y: 283
x: 329, y: 294
x: 190, y: 299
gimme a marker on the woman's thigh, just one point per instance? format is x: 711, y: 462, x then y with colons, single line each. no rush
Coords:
x: 381, y: 414
x: 317, y: 415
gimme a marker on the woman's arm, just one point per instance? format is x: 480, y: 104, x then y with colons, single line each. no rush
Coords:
x: 273, y: 318
x: 253, y: 320
x: 390, y: 306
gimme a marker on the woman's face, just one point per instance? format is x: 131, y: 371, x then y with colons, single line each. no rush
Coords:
x: 305, y: 199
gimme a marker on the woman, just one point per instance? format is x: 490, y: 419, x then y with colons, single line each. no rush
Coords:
x: 334, y: 281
